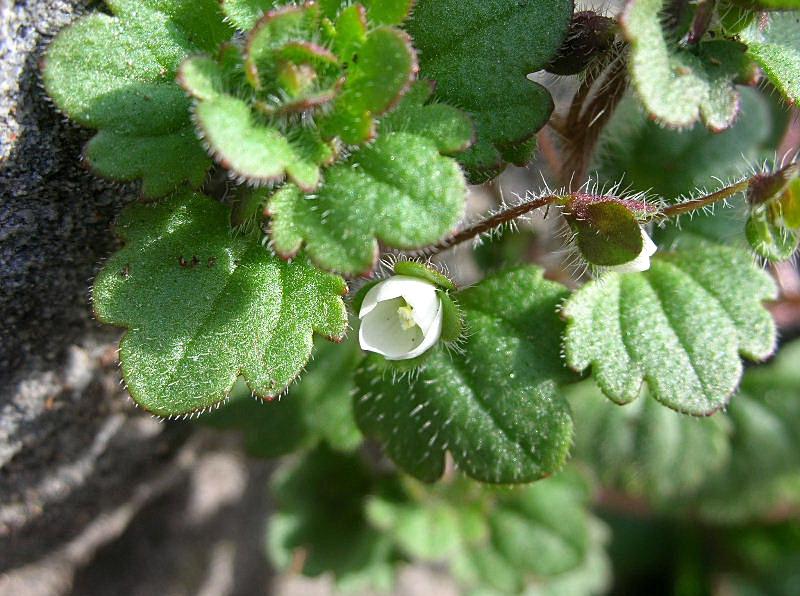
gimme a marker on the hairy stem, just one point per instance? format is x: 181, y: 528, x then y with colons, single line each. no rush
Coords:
x: 748, y: 184
x: 589, y: 113
x: 705, y: 201
x: 490, y: 223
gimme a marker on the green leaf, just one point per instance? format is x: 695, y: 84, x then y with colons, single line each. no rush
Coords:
x: 548, y: 518
x: 244, y: 14
x: 670, y: 163
x: 399, y: 191
x: 777, y: 51
x: 550, y: 521
x: 765, y: 444
x: 494, y: 405
x: 729, y: 467
x: 592, y: 576
x: 320, y: 503
x: 479, y: 53
x: 768, y: 240
x: 378, y: 73
x: 487, y: 536
x: 425, y: 272
x: 202, y: 306
x: 259, y: 154
x: 253, y: 149
x: 161, y: 161
x: 449, y: 129
x: 117, y: 74
x: 429, y: 531
x: 679, y: 326
x: 678, y: 86
x: 388, y: 12
x: 645, y: 449
x: 300, y: 88
x: 318, y: 408
x: 755, y: 5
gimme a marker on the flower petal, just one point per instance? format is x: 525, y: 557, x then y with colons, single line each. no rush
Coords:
x: 432, y: 336
x: 648, y: 246
x: 381, y: 331
x: 418, y: 293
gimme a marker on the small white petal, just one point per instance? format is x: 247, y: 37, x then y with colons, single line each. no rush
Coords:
x: 642, y: 261
x: 432, y: 336
x: 382, y: 331
x: 419, y: 294
x: 401, y: 318
x: 648, y: 246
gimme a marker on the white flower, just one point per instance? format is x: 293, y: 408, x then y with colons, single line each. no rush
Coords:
x: 401, y: 318
x: 641, y: 262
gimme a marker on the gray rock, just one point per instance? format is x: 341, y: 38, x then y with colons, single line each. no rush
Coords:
x: 72, y: 446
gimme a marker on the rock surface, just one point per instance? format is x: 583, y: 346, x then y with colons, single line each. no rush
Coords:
x: 72, y: 447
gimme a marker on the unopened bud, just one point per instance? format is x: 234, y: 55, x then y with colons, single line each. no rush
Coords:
x: 608, y: 233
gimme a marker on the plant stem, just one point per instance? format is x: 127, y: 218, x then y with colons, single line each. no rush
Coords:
x: 750, y: 184
x: 490, y: 223
x: 702, y: 19
x: 592, y: 107
x: 710, y: 199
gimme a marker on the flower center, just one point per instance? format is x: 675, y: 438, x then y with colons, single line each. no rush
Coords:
x: 406, y: 314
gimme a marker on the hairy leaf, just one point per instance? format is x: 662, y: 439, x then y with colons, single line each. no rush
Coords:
x: 678, y: 86
x: 203, y: 306
x: 669, y: 163
x: 301, y: 87
x: 679, y: 326
x: 762, y: 472
x: 321, y: 514
x: 400, y: 191
x: 380, y: 70
x: 645, y: 449
x: 777, y: 51
x: 769, y: 240
x: 254, y: 148
x: 388, y: 12
x: 479, y: 53
x: 244, y: 14
x: 318, y: 408
x: 494, y: 405
x: 117, y: 74
x: 487, y: 535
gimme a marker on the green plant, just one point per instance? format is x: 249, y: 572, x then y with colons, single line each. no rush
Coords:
x: 349, y: 132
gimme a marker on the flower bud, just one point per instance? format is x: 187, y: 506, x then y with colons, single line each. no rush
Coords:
x: 401, y: 318
x: 774, y: 220
x: 608, y: 233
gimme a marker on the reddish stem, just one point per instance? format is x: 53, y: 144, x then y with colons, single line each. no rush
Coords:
x: 490, y: 223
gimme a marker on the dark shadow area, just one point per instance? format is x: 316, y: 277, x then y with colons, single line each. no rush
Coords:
x: 164, y: 551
